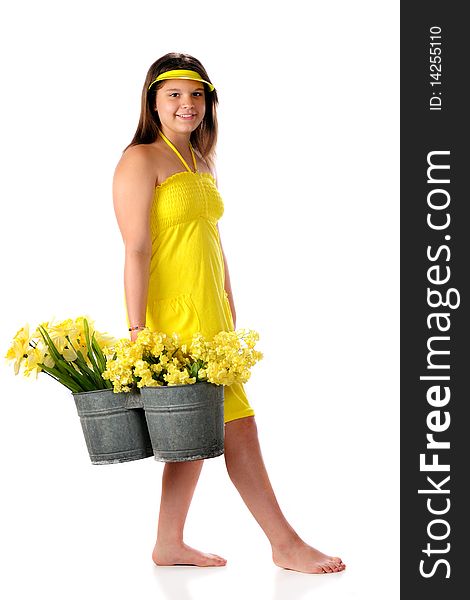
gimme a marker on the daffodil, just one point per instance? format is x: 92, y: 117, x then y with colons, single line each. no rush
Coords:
x: 71, y: 351
x: 19, y: 349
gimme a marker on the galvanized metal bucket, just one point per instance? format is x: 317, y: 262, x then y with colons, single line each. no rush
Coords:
x: 114, y: 426
x: 185, y: 422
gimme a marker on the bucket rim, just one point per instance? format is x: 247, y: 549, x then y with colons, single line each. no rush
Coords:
x: 179, y: 385
x: 97, y: 391
x: 137, y: 390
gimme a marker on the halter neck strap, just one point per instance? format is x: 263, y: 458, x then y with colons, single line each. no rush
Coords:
x: 178, y: 154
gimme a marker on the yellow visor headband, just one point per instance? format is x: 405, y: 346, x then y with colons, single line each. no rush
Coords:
x: 182, y: 74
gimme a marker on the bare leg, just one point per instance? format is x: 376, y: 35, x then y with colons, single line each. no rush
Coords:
x: 247, y: 471
x: 178, y: 484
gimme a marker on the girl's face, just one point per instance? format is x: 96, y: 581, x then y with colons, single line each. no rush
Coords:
x: 181, y: 104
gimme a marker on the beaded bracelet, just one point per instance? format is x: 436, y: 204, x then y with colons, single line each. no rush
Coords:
x: 136, y: 327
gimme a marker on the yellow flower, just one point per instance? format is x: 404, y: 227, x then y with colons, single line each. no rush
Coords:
x: 144, y: 338
x: 19, y: 348
x: 156, y: 359
x: 35, y: 356
x: 229, y: 360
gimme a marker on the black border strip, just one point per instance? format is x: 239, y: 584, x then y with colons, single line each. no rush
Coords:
x: 435, y: 252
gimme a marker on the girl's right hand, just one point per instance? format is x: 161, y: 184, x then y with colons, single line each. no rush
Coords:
x: 134, y: 334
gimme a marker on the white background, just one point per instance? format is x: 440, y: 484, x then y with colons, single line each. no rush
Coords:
x: 308, y: 168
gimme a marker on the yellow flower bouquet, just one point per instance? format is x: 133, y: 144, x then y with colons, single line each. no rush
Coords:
x: 157, y: 359
x: 131, y: 396
x: 71, y: 351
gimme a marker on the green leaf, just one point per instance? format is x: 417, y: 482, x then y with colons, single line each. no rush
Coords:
x: 64, y: 380
x: 61, y: 364
x: 94, y: 379
x: 91, y: 356
x: 80, y: 361
x: 56, y: 356
x: 99, y: 354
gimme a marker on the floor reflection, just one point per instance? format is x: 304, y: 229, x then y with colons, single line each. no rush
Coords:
x: 292, y: 585
x: 175, y: 581
x: 181, y: 582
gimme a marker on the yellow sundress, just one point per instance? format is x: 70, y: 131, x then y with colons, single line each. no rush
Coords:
x: 186, y: 290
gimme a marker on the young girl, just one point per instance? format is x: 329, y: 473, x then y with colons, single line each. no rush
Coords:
x: 176, y: 278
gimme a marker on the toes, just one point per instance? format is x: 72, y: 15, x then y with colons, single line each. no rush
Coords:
x: 338, y: 563
x: 337, y: 568
x: 333, y: 567
x: 217, y: 558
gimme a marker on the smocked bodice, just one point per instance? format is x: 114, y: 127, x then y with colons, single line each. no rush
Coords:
x: 184, y: 197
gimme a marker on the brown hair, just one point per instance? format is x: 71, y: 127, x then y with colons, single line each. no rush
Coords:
x: 204, y: 138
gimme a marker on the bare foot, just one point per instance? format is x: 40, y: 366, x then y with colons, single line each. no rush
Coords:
x: 299, y: 556
x: 183, y: 554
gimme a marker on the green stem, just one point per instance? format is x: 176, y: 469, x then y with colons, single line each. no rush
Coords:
x: 101, y: 361
x: 58, y: 359
x: 89, y: 346
x: 63, y: 379
x: 99, y: 354
x: 62, y: 365
x: 93, y: 379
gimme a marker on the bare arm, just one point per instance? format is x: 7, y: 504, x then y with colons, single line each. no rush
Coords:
x: 133, y: 191
x: 227, y: 284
